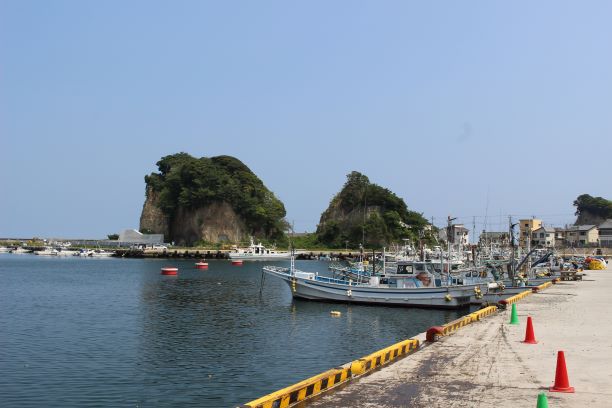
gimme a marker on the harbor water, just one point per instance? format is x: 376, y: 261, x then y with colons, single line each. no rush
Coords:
x: 115, y: 332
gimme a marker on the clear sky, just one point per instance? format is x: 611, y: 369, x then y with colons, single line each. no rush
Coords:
x: 461, y: 108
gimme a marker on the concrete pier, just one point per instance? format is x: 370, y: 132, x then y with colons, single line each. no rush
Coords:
x: 486, y: 364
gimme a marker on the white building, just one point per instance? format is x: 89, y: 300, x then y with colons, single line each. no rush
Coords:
x: 581, y: 235
x: 459, y: 234
x: 543, y: 237
x: 132, y: 236
x: 605, y: 233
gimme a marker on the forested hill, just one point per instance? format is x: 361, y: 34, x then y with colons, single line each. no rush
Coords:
x: 363, y: 209
x: 592, y: 210
x: 219, y: 198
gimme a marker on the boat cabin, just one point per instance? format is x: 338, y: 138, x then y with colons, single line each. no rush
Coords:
x: 409, y: 274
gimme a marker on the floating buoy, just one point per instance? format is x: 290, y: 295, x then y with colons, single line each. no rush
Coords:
x: 335, y: 313
x: 169, y: 271
x: 201, y: 265
x: 237, y: 262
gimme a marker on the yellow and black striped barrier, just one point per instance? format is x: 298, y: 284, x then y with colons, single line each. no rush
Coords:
x: 482, y: 313
x: 319, y: 383
x: 438, y: 331
x: 515, y: 298
x: 382, y: 357
x: 542, y: 286
x: 302, y: 390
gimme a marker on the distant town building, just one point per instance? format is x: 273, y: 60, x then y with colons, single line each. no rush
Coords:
x: 526, y: 229
x: 132, y: 236
x: 494, y: 238
x: 605, y: 233
x: 459, y: 234
x: 543, y: 237
x: 560, y: 236
x: 581, y: 235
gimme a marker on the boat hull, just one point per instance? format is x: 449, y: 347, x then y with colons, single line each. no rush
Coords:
x: 326, y: 289
x: 256, y: 257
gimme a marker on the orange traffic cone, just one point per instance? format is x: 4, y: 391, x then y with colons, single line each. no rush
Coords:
x: 529, y: 336
x: 561, y: 380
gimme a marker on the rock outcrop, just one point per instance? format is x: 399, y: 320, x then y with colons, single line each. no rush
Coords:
x: 592, y: 210
x: 213, y: 200
x: 365, y: 213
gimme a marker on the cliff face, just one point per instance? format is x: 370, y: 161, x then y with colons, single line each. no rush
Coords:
x: 152, y: 218
x: 216, y: 222
x: 587, y: 218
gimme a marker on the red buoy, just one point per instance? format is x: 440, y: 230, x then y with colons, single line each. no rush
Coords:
x: 237, y: 262
x: 201, y: 265
x: 169, y: 271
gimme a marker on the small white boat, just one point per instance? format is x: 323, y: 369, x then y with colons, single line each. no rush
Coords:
x: 48, y: 251
x: 20, y: 250
x: 100, y: 253
x: 65, y: 252
x: 4, y: 249
x: 258, y: 252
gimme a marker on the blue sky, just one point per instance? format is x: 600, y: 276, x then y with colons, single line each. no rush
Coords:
x: 461, y: 108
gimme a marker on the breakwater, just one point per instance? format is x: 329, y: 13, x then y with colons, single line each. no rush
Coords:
x: 224, y: 254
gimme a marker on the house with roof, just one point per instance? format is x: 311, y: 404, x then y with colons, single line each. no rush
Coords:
x: 458, y: 234
x: 543, y: 237
x: 605, y: 233
x: 526, y: 230
x: 582, y: 235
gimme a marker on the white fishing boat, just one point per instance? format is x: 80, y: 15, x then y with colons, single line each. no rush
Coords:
x: 413, y: 284
x: 100, y: 253
x: 65, y: 252
x: 258, y: 252
x: 48, y: 251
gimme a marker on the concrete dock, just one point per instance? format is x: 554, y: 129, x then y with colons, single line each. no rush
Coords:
x: 486, y: 364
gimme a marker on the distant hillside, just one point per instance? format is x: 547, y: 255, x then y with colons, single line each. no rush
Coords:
x: 362, y: 208
x: 209, y: 199
x: 592, y: 210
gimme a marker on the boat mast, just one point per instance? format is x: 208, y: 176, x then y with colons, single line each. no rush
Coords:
x: 512, y: 248
x: 449, y: 237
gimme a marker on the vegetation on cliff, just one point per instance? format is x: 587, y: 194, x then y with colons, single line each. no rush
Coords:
x: 592, y: 208
x: 365, y: 211
x: 187, y: 182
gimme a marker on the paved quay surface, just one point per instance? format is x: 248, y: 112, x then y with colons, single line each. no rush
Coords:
x: 485, y: 364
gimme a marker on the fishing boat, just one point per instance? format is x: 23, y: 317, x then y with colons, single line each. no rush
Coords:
x: 258, y: 252
x: 412, y: 284
x: 48, y: 251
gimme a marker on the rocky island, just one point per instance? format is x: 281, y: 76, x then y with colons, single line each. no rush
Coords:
x: 209, y: 200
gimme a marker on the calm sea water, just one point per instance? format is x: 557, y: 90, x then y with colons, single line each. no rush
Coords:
x: 114, y: 332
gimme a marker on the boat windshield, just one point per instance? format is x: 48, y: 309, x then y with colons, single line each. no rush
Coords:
x: 405, y: 269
